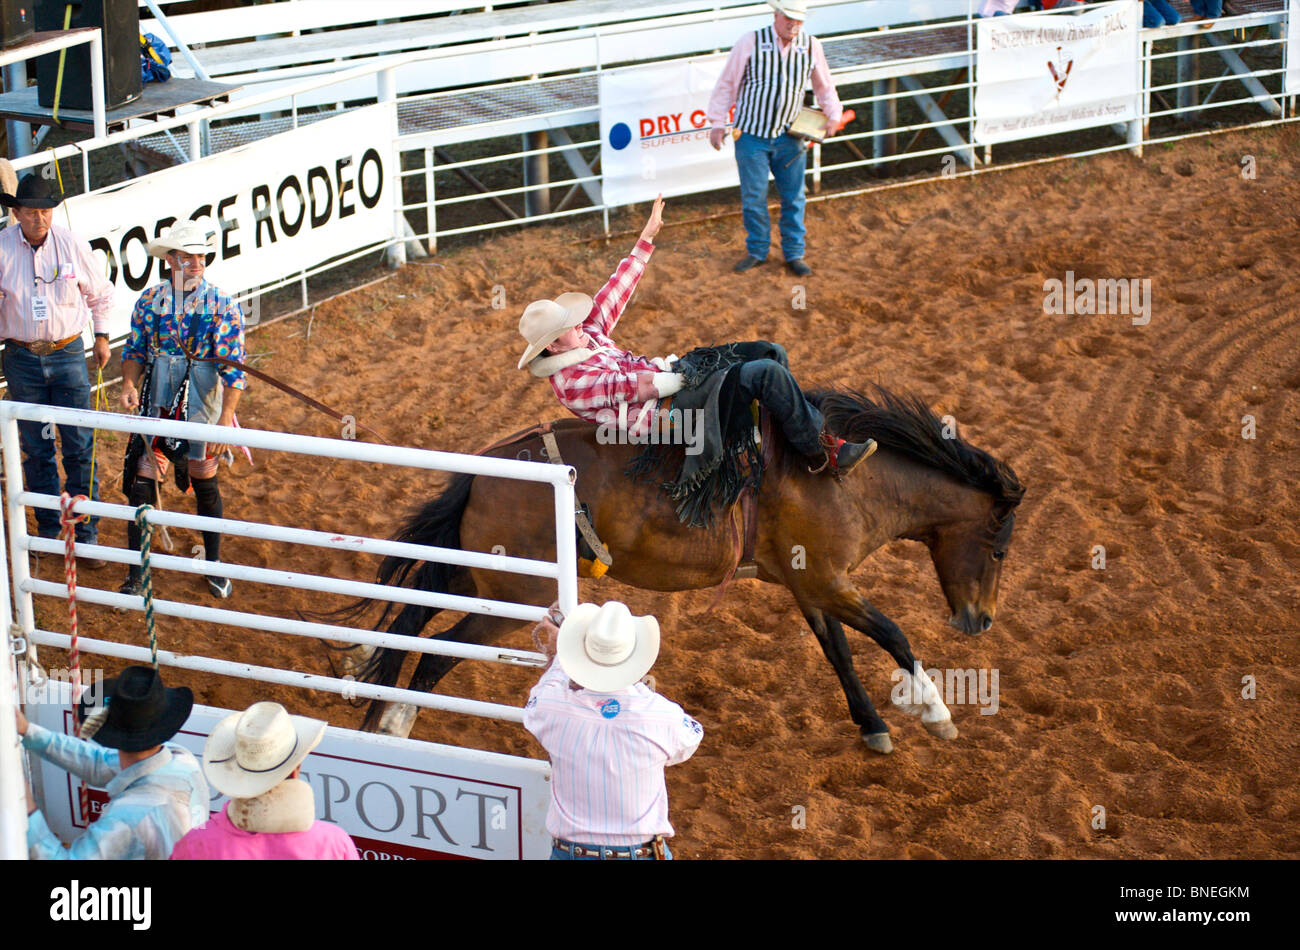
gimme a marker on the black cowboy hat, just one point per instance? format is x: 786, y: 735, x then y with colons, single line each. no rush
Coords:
x: 142, y: 713
x: 33, y: 192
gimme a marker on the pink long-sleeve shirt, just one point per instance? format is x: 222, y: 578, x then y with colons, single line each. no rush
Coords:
x: 63, y: 271
x: 220, y: 840
x: 727, y: 91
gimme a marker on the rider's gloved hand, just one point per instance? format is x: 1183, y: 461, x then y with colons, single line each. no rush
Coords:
x: 668, y: 383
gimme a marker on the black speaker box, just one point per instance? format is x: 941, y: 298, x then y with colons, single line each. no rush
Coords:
x: 120, y: 21
x: 16, y: 21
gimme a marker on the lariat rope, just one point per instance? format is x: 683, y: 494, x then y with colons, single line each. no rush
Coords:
x: 146, y: 536
x: 68, y: 519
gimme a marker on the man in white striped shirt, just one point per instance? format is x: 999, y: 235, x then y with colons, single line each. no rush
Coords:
x: 607, y: 734
x: 765, y: 78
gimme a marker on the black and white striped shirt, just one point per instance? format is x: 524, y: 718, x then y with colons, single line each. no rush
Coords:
x: 772, y: 90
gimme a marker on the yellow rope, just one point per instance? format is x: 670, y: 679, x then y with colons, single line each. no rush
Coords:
x: 101, y: 402
x: 63, y: 56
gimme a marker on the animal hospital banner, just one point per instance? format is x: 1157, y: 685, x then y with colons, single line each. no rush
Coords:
x: 399, y: 799
x: 1040, y: 75
x: 277, y: 206
x: 654, y: 138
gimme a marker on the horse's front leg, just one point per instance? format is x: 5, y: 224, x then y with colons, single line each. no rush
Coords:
x: 914, y: 692
x: 830, y: 635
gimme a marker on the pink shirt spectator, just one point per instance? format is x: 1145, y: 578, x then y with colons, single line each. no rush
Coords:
x: 994, y: 7
x: 220, y: 840
x: 64, y: 272
x: 608, y: 752
x: 726, y: 92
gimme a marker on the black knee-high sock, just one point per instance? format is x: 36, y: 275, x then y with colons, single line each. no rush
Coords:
x: 208, y: 494
x: 144, y: 491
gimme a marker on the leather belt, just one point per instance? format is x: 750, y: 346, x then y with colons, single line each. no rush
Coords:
x: 43, y: 347
x: 611, y: 852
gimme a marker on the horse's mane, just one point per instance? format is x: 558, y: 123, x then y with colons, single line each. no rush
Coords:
x: 905, y: 424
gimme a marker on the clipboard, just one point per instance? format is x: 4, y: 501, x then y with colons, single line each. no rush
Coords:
x: 809, y: 124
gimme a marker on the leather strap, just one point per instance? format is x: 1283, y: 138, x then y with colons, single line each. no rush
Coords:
x: 552, y: 448
x: 283, y: 387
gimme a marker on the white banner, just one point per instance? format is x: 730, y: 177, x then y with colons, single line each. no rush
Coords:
x: 1292, y: 79
x: 399, y: 799
x: 278, y: 206
x: 654, y: 138
x: 1039, y: 75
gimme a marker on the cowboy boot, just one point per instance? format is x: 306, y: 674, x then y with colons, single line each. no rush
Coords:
x: 842, y: 456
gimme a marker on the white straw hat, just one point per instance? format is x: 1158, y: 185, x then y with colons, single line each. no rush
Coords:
x: 187, y: 236
x: 605, y: 648
x: 251, y: 752
x: 794, y: 9
x: 544, y: 321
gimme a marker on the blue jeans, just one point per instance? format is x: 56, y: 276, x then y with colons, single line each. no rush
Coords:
x: 1159, y: 13
x: 786, y: 158
x: 772, y: 385
x: 558, y: 855
x: 60, y: 379
x: 1213, y: 9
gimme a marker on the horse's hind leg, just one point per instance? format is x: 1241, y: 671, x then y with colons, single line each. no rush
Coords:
x: 830, y: 634
x: 397, y: 719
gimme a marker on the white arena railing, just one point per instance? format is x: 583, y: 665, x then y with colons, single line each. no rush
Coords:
x: 20, y: 668
x: 18, y: 499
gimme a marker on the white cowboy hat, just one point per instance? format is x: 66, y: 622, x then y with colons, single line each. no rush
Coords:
x: 544, y: 321
x: 251, y: 752
x: 605, y: 648
x: 794, y: 9
x: 187, y: 236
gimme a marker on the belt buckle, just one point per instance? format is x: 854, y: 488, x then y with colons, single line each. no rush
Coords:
x: 41, y: 347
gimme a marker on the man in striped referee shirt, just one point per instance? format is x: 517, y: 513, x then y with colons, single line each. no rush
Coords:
x: 765, y: 78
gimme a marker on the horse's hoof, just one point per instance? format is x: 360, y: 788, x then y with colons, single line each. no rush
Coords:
x: 878, y: 742
x: 397, y: 720
x: 944, y: 729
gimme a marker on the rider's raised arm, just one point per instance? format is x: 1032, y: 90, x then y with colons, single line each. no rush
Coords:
x: 617, y: 292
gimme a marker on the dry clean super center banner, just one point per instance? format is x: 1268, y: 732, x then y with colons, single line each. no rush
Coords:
x: 1039, y: 74
x: 654, y: 138
x: 278, y: 206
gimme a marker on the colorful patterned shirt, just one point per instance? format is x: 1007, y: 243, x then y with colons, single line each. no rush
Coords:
x: 210, y: 316
x: 608, y: 752
x: 594, y: 388
x: 151, y: 805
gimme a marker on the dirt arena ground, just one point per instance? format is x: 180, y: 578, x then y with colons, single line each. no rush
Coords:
x: 1119, y: 687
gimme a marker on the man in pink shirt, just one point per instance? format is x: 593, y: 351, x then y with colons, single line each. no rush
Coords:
x: 765, y: 79
x: 609, y: 736
x: 50, y: 287
x: 254, y: 757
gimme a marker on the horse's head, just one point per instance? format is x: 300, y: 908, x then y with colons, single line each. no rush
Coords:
x: 968, y: 558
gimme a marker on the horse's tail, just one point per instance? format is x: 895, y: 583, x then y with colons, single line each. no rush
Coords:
x: 437, y: 524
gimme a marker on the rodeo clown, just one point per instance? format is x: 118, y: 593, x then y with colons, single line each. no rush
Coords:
x: 174, y: 348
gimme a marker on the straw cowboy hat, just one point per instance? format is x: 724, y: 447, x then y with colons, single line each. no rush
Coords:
x: 250, y: 753
x: 8, y: 181
x: 137, y: 711
x: 188, y: 237
x: 605, y: 648
x: 32, y: 192
x: 544, y: 321
x: 794, y: 9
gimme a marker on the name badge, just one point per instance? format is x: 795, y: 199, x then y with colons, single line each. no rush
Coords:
x: 40, y: 309
x: 764, y: 46
x: 69, y: 270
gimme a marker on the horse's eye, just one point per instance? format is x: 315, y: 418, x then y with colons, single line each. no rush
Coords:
x: 998, y: 555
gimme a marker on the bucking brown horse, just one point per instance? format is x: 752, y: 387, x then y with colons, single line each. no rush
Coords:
x: 923, y: 484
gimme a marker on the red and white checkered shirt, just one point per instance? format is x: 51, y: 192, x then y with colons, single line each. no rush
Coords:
x: 594, y: 388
